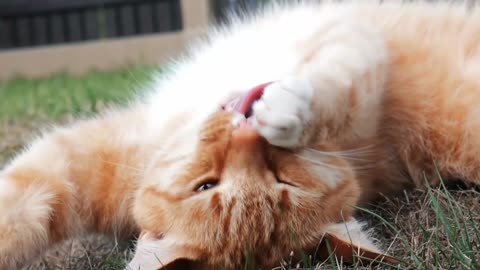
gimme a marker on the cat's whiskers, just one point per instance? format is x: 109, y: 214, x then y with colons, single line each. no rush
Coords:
x: 346, y: 167
x: 319, y: 163
x: 353, y: 155
x: 137, y: 170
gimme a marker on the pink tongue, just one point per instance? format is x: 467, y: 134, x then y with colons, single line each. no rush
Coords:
x: 243, y: 104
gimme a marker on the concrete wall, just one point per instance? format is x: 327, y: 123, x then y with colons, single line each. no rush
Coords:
x: 78, y: 58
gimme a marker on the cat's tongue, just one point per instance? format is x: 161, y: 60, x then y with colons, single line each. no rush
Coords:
x: 243, y: 103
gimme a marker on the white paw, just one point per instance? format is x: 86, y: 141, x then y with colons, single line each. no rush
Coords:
x: 284, y: 111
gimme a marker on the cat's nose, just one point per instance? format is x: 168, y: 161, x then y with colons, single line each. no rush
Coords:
x: 246, y: 153
x: 245, y: 134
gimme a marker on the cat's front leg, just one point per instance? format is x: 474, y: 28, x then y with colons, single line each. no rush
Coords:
x: 334, y: 95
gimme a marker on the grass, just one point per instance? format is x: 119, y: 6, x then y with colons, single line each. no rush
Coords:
x: 61, y: 95
x: 435, y: 228
x: 432, y: 229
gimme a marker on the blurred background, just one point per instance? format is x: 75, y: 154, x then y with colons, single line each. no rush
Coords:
x: 60, y: 59
x: 75, y: 36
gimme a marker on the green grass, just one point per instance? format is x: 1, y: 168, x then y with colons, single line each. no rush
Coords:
x: 26, y: 105
x: 60, y: 95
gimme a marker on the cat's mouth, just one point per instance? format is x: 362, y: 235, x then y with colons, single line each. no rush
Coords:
x: 243, y: 103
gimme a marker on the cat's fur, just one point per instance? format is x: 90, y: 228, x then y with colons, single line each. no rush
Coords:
x: 397, y: 83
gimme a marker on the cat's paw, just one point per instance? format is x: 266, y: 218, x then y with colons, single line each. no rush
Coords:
x: 284, y: 111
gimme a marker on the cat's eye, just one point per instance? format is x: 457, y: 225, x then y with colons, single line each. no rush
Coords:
x: 279, y: 179
x: 283, y: 181
x: 206, y: 185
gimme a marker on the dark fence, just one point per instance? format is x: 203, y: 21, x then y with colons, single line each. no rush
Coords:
x: 29, y: 23
x: 221, y: 8
x: 26, y: 23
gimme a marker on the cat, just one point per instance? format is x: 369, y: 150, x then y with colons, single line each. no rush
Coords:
x: 365, y: 98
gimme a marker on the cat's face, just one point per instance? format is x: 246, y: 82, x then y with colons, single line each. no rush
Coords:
x: 236, y: 198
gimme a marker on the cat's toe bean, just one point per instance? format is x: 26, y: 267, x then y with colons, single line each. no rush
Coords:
x: 288, y: 137
x: 274, y: 118
x: 283, y: 111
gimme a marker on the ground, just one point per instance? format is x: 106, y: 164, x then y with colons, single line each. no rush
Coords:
x: 432, y: 229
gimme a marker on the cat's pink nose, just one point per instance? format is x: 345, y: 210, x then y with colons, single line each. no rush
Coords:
x: 246, y: 149
x: 245, y: 133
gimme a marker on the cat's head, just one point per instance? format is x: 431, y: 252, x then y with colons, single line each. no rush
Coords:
x: 233, y: 199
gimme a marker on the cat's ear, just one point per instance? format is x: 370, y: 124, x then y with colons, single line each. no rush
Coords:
x: 349, y: 241
x: 159, y: 252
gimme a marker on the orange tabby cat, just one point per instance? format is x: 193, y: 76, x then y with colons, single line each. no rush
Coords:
x: 366, y: 97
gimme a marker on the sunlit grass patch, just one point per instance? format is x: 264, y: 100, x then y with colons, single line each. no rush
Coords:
x: 59, y: 95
